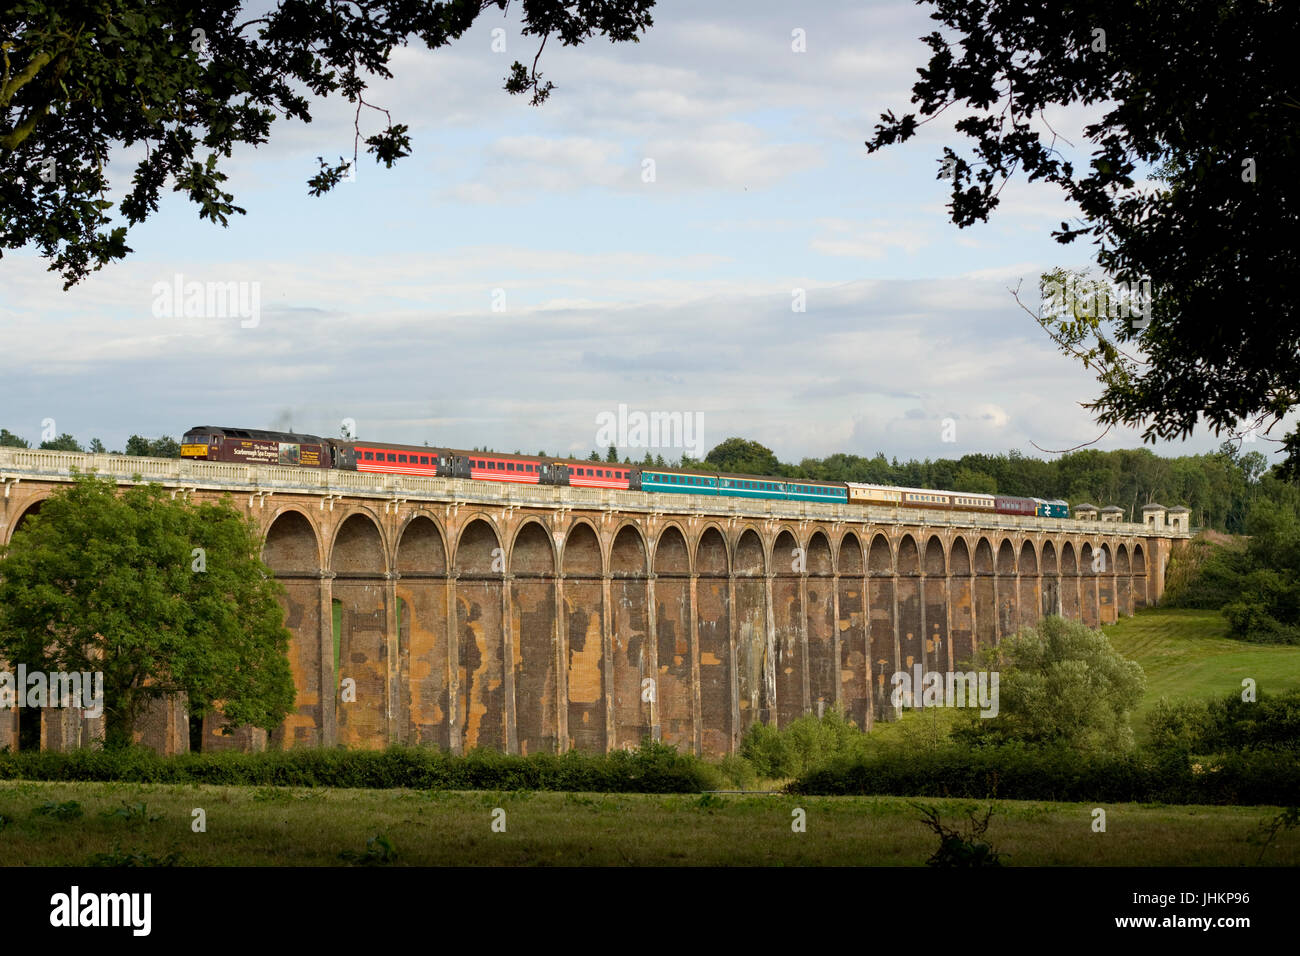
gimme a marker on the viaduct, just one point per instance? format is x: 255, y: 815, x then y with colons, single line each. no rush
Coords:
x: 532, y: 618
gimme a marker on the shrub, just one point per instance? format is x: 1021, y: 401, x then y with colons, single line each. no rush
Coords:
x: 1177, y: 727
x: 652, y: 768
x: 766, y: 750
x: 1016, y: 771
x: 1228, y: 724
x: 957, y: 849
x: 735, y: 772
x: 1059, y: 683
x: 1204, y: 575
x: 807, y: 742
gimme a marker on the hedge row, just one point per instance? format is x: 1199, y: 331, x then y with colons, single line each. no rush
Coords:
x: 654, y: 768
x: 1018, y: 773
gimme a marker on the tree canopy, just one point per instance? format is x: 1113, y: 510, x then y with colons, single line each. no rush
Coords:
x: 1060, y: 682
x: 159, y: 595
x: 744, y: 456
x: 190, y: 81
x: 1201, y: 97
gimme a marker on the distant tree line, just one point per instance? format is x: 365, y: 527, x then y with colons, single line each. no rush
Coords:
x: 137, y: 445
x: 1220, y: 488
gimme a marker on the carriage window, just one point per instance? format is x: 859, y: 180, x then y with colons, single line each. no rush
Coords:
x: 401, y: 458
x: 392, y: 457
x: 370, y: 456
x: 424, y: 459
x: 510, y: 466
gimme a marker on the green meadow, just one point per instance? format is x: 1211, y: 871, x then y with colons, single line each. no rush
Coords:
x: 147, y: 824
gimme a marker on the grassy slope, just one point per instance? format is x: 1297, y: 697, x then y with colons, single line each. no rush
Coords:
x: 274, y: 826
x: 1186, y: 654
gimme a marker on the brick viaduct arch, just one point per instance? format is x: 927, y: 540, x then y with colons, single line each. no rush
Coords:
x: 530, y: 627
x: 505, y: 633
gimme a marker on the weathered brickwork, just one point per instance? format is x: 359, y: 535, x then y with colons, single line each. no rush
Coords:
x: 593, y: 620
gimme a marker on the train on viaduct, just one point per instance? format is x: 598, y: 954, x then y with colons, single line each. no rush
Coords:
x: 527, y: 618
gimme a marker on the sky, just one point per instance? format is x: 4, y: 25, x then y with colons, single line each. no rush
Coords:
x: 642, y: 241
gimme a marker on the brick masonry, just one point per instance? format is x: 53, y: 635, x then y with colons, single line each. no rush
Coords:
x: 540, y: 620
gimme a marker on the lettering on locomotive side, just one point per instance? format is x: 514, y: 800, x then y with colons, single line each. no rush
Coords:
x: 253, y: 451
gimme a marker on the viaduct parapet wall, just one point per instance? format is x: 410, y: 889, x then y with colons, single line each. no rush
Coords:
x: 531, y: 618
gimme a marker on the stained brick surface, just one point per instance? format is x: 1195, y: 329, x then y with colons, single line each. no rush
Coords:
x: 534, y: 630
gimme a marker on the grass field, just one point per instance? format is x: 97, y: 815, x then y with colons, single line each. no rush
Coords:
x: 298, y: 827
x: 1188, y: 655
